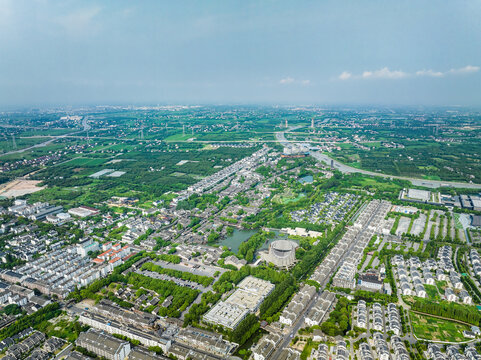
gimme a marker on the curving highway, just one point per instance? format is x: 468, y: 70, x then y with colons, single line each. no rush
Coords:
x: 349, y: 169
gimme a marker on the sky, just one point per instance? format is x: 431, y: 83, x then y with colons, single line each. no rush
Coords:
x: 391, y: 52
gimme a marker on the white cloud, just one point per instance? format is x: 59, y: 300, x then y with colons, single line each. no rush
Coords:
x: 290, y: 80
x: 429, y: 72
x: 384, y: 73
x: 287, y: 80
x: 468, y: 69
x: 345, y: 75
x: 465, y: 70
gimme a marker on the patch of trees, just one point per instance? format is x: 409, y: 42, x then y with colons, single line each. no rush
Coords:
x: 182, y: 296
x: 197, y: 201
x: 264, y: 171
x: 390, y: 276
x: 213, y: 237
x: 395, y: 225
x: 314, y: 256
x: 116, y: 233
x: 229, y: 279
x: 12, y: 309
x: 125, y: 338
x: 174, y: 259
x: 48, y: 312
x: 249, y: 247
x: 338, y: 321
x: 116, y: 276
x: 468, y: 314
x: 184, y: 275
x: 160, y: 243
x: 197, y: 310
x: 11, y: 262
x: 143, y: 237
x: 429, y: 252
x: 242, y: 199
x: 118, y: 301
x: 369, y: 297
x: 85, y: 352
x: 193, y: 222
x: 156, y: 349
x: 245, y: 329
x: 277, y: 298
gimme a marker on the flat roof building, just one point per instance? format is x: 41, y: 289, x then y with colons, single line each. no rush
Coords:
x: 228, y: 315
x: 104, y: 345
x: 416, y: 194
x: 247, y: 298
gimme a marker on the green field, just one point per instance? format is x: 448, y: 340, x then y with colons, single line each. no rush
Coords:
x: 432, y: 292
x: 287, y: 196
x: 87, y: 162
x: 179, y: 137
x: 431, y: 328
x: 441, y: 286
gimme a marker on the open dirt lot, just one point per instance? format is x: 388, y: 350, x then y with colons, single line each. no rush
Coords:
x: 16, y: 188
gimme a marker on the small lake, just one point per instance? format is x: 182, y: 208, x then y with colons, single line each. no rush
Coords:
x: 238, y: 236
x: 278, y: 236
x: 308, y: 179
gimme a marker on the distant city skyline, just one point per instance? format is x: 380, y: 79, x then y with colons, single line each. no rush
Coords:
x: 265, y: 52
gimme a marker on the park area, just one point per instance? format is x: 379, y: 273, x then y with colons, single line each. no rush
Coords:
x: 430, y: 328
x: 287, y: 196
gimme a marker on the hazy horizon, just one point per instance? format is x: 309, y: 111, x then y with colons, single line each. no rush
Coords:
x: 57, y: 53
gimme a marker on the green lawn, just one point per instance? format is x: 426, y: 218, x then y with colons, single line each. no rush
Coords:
x: 431, y: 328
x: 60, y: 327
x: 88, y: 162
x: 179, y: 137
x: 431, y: 177
x: 432, y: 292
x: 441, y: 286
x: 457, y: 222
x: 288, y: 200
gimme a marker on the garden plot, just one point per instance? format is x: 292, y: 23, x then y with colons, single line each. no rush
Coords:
x: 435, y: 329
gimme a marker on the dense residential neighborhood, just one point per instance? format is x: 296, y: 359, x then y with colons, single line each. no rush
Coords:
x: 257, y: 250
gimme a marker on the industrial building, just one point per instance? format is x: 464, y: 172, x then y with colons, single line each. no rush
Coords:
x: 83, y: 211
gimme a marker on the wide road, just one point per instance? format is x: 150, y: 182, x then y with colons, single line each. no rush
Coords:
x: 300, y: 320
x: 85, y: 125
x: 346, y: 169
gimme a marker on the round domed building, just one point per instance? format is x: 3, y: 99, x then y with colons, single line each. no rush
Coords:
x: 282, y: 253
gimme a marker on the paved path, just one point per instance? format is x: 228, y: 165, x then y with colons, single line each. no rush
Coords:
x: 300, y: 320
x: 85, y: 125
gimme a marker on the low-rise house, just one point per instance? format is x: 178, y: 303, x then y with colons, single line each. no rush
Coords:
x: 450, y: 295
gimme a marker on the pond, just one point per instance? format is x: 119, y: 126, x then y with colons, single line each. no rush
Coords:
x: 238, y: 236
x: 278, y: 236
x: 308, y: 179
